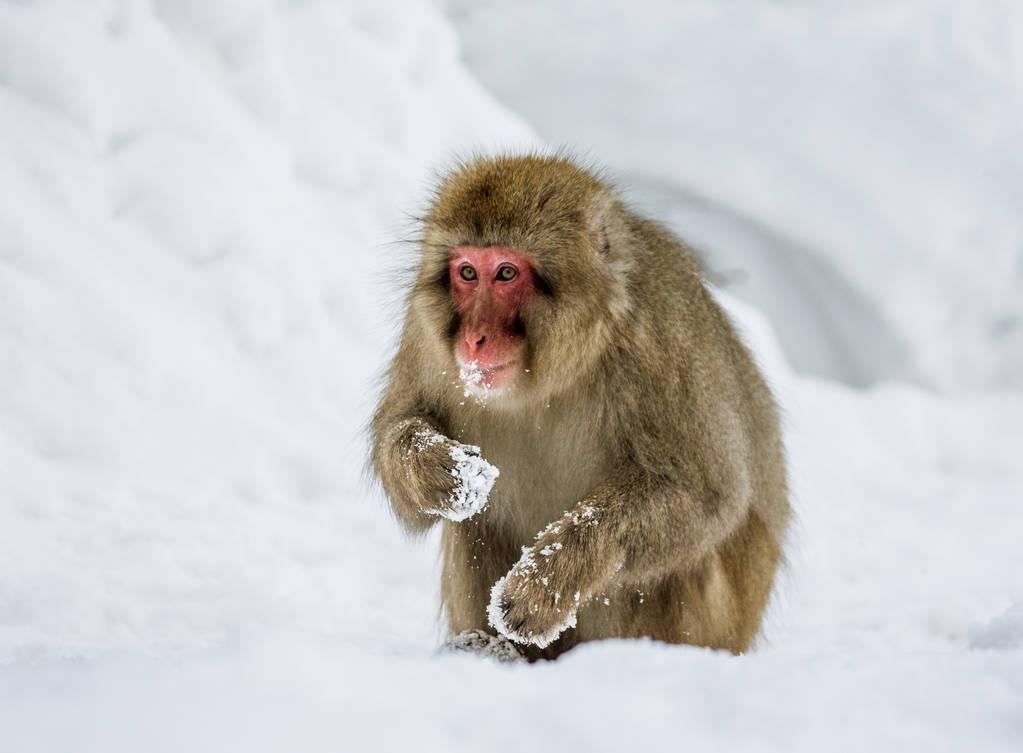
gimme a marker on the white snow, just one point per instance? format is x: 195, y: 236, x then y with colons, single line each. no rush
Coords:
x: 1002, y: 633
x: 473, y: 386
x: 423, y: 440
x: 199, y: 204
x: 475, y: 477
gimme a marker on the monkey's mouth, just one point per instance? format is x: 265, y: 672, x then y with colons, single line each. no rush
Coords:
x: 484, y: 378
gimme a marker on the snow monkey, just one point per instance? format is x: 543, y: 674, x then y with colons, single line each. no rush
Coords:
x: 571, y: 404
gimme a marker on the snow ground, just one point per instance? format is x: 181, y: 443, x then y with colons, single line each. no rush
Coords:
x: 196, y: 207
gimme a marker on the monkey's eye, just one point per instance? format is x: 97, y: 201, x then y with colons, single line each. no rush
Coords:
x: 507, y: 273
x: 467, y: 273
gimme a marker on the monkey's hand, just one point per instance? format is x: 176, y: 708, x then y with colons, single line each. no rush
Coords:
x: 538, y: 599
x: 453, y: 481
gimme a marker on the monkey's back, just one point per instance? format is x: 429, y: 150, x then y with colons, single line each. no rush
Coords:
x: 692, y: 361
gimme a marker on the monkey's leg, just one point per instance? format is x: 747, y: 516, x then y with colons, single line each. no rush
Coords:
x: 474, y: 555
x: 718, y: 603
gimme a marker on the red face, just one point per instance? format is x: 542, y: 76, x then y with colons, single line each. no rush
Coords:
x: 490, y: 286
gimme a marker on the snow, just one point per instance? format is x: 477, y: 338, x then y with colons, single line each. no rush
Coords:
x: 471, y: 376
x: 475, y: 477
x: 200, y: 203
x: 1002, y: 633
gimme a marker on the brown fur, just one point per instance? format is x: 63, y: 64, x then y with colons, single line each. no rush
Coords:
x: 642, y: 444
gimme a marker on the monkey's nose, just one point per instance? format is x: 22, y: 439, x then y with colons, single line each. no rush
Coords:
x: 474, y: 341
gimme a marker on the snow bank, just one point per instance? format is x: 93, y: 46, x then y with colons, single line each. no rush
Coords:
x: 879, y: 139
x: 196, y: 284
x: 1005, y: 632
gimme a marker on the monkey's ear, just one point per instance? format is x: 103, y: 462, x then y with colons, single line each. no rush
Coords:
x: 606, y: 226
x: 609, y: 234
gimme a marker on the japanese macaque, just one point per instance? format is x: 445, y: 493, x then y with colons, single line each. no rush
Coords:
x: 569, y: 401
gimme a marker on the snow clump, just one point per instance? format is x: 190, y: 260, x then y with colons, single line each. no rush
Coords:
x: 476, y: 478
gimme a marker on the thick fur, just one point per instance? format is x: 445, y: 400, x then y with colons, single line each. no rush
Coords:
x: 640, y: 456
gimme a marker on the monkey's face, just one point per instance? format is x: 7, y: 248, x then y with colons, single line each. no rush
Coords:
x: 490, y: 288
x: 523, y: 280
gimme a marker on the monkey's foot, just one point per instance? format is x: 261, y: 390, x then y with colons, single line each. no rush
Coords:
x: 484, y: 644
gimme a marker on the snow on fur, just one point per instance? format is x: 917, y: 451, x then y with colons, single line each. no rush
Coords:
x: 475, y: 477
x: 526, y: 568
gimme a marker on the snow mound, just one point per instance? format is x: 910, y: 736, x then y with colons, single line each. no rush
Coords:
x: 196, y: 284
x: 1003, y: 633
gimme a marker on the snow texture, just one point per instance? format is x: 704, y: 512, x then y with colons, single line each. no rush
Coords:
x: 471, y: 375
x: 199, y: 207
x: 473, y: 383
x: 475, y: 477
x: 1003, y: 633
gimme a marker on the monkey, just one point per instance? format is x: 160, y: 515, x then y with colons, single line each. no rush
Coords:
x: 569, y: 401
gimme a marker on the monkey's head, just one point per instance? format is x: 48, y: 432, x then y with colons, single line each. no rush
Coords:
x: 523, y: 275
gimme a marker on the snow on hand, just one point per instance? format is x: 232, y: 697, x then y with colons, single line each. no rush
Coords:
x: 526, y: 570
x: 475, y: 477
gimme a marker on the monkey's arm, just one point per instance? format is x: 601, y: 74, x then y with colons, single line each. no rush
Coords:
x: 631, y: 528
x: 425, y: 474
